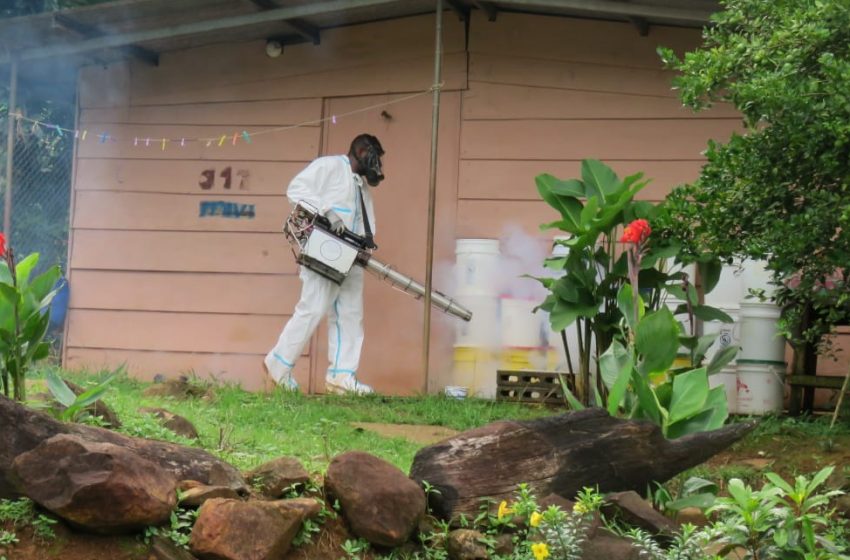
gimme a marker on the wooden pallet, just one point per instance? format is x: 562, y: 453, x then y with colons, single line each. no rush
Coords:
x: 532, y: 386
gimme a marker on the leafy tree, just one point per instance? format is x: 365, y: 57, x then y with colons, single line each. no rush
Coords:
x: 781, y: 189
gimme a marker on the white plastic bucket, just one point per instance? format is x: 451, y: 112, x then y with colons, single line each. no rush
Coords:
x: 760, y: 338
x: 475, y: 369
x: 483, y: 330
x: 757, y: 277
x: 761, y: 387
x: 521, y: 326
x: 477, y: 267
x: 729, y: 290
x: 728, y: 379
x: 728, y: 334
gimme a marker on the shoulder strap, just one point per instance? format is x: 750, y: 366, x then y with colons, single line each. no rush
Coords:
x: 370, y: 239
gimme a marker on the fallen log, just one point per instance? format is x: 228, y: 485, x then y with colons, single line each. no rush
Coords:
x: 558, y: 455
x: 24, y: 428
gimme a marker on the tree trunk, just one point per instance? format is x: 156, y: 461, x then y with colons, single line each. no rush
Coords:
x: 559, y: 455
x: 24, y: 428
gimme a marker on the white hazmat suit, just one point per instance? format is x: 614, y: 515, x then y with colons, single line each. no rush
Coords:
x: 328, y: 183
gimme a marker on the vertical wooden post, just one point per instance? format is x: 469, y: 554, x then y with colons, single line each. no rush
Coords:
x: 432, y: 197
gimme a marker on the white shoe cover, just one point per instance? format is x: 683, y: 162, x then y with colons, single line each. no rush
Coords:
x: 346, y: 383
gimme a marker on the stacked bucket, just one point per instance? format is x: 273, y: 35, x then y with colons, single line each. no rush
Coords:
x: 726, y: 296
x: 761, y: 360
x: 755, y: 382
x: 476, y: 341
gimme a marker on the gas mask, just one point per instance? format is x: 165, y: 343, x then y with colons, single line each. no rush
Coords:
x: 370, y: 166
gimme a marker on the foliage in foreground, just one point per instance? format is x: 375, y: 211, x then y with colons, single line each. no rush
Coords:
x: 779, y: 191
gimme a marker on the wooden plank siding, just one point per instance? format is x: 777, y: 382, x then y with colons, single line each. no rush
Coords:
x: 159, y: 286
x: 545, y: 93
x: 165, y: 289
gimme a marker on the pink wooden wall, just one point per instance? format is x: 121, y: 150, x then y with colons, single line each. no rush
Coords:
x: 167, y: 291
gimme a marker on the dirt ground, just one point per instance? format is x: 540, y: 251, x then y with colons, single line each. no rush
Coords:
x: 789, y: 452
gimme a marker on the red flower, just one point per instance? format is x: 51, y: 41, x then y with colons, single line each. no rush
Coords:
x: 2, y: 244
x: 636, y: 232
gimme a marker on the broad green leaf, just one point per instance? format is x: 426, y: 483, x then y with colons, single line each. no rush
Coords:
x: 708, y: 313
x: 626, y: 305
x: 93, y: 395
x: 42, y: 285
x: 568, y: 187
x: 569, y: 208
x: 721, y: 359
x: 697, y: 485
x: 599, y: 179
x: 713, y: 416
x: 703, y: 344
x: 646, y: 399
x: 657, y: 341
x: 555, y: 263
x: 710, y: 274
x: 9, y: 298
x: 41, y: 352
x: 24, y: 268
x: 60, y: 391
x: 562, y: 316
x: 616, y: 367
x: 5, y: 275
x: 690, y: 390
x: 574, y: 403
x: 588, y: 213
x: 779, y: 482
x: 702, y: 501
x: 693, y: 296
x: 676, y: 291
x: 567, y: 289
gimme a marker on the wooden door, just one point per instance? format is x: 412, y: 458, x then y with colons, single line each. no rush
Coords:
x: 392, y: 353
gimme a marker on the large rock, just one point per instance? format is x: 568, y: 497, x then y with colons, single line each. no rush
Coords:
x: 380, y: 502
x: 561, y: 455
x: 174, y: 422
x: 272, y: 479
x: 100, y: 487
x: 237, y: 530
x: 32, y: 427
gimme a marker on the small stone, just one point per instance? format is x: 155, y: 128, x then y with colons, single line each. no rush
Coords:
x: 164, y: 549
x: 637, y: 512
x: 195, y: 497
x: 465, y: 544
x: 309, y: 508
x: 607, y: 546
x: 185, y: 485
x: 842, y: 505
x: 692, y: 515
x: 174, y: 422
x: 237, y: 530
x: 504, y: 545
x: 274, y: 478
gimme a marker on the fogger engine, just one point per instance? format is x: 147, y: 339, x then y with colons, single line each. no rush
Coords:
x: 333, y: 256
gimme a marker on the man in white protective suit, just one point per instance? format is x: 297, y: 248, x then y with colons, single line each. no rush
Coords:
x: 333, y: 185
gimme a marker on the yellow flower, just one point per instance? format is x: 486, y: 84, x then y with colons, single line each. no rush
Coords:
x: 504, y: 510
x: 579, y: 508
x: 540, y: 551
x: 535, y: 519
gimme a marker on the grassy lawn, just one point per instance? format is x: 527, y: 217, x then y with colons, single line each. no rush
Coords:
x: 247, y: 429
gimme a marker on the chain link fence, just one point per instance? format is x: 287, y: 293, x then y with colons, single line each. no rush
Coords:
x: 41, y: 174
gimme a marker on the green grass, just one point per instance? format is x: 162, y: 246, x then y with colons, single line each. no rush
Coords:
x: 247, y: 429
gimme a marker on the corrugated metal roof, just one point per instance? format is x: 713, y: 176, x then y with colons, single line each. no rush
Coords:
x: 27, y: 35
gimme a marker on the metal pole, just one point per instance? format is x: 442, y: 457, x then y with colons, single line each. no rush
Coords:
x: 10, y: 151
x: 432, y: 196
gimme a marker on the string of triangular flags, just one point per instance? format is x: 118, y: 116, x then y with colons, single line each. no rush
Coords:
x: 232, y: 138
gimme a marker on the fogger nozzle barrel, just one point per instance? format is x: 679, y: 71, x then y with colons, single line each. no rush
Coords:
x: 410, y: 286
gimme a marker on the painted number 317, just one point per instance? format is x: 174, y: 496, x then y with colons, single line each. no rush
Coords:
x: 207, y: 180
